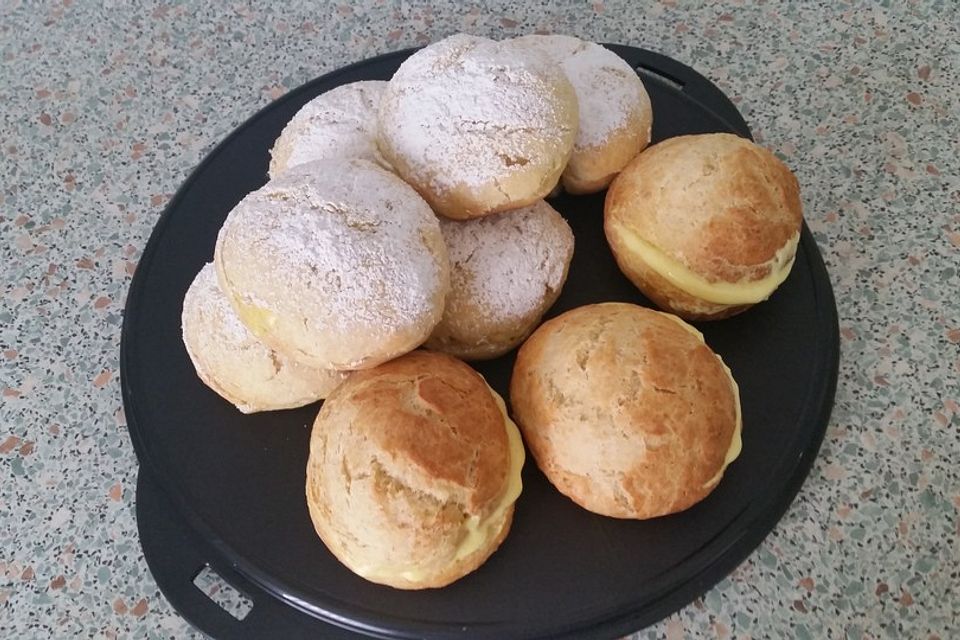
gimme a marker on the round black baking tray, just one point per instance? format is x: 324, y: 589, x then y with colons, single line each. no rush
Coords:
x: 220, y: 488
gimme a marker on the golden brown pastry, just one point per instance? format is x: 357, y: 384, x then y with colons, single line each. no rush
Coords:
x: 626, y: 410
x: 704, y: 225
x: 413, y: 472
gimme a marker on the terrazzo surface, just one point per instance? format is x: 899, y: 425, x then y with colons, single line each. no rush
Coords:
x: 106, y: 107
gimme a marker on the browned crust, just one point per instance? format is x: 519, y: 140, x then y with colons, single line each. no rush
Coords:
x: 454, y: 572
x: 625, y: 411
x: 437, y: 414
x: 717, y: 203
x: 497, y: 341
x: 400, y: 458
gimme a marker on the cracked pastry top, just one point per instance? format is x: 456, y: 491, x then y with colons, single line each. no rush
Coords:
x: 477, y: 126
x: 413, y: 472
x: 626, y: 410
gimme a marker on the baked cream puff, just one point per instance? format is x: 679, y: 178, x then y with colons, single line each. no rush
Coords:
x: 705, y: 225
x: 341, y: 123
x: 626, y: 410
x: 616, y: 116
x: 477, y: 126
x: 413, y: 472
x: 506, y: 271
x: 337, y: 264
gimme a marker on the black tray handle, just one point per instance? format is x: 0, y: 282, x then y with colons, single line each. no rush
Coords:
x: 175, y: 556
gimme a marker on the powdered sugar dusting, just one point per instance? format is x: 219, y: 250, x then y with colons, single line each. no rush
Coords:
x: 205, y: 299
x: 341, y: 123
x: 468, y: 110
x: 234, y: 363
x: 337, y: 247
x: 502, y: 265
x: 607, y: 88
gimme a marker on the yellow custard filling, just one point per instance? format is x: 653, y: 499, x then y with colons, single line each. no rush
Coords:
x: 480, y: 530
x: 259, y: 321
x: 732, y: 293
x: 736, y: 442
x: 477, y: 531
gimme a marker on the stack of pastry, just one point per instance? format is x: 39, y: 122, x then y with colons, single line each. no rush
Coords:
x: 411, y: 213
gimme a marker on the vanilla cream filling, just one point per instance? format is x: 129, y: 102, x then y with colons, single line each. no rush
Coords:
x: 730, y: 293
x: 477, y: 531
x: 736, y: 442
x: 260, y: 321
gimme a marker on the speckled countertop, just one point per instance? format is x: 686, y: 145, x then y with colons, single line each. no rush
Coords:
x: 106, y: 107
